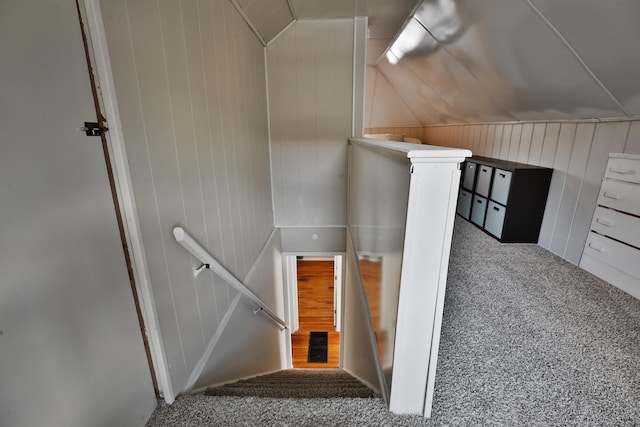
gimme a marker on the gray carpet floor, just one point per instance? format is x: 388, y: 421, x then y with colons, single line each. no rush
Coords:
x: 527, y: 339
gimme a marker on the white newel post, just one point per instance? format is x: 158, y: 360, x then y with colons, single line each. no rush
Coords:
x: 431, y: 209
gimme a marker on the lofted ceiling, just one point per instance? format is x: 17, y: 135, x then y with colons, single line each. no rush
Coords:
x: 469, y: 61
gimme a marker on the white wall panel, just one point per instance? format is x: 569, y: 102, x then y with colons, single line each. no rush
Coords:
x: 497, y: 142
x: 633, y: 140
x: 190, y: 82
x: 558, y: 180
x: 71, y: 348
x: 525, y: 143
x: 550, y: 145
x: 514, y: 143
x: 384, y: 107
x: 251, y: 344
x: 507, y: 131
x: 607, y: 138
x: 310, y: 74
x: 537, y: 139
x: 577, y: 151
x: 484, y: 133
x: 572, y: 187
x: 358, y: 352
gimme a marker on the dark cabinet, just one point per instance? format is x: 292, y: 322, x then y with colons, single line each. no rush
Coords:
x: 505, y: 199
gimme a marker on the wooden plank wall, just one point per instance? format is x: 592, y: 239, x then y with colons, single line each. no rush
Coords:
x: 190, y: 82
x: 578, y: 154
x: 413, y: 132
x: 310, y: 78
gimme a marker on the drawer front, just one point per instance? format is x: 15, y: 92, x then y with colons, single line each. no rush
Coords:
x: 622, y: 196
x: 484, y: 180
x: 469, y: 177
x: 495, y: 219
x: 617, y: 278
x: 464, y: 203
x: 616, y: 254
x: 623, y: 169
x: 478, y: 210
x: 501, y: 183
x: 625, y: 228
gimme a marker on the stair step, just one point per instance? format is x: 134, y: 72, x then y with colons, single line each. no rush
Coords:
x: 297, y: 384
x: 315, y: 393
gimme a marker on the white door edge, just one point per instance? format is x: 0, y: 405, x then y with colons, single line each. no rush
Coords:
x: 124, y: 188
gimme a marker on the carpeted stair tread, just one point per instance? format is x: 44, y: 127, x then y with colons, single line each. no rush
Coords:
x: 244, y: 384
x: 297, y: 384
x: 317, y: 393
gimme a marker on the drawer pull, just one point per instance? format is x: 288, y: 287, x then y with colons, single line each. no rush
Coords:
x: 613, y: 196
x: 597, y: 248
x: 604, y: 221
x: 479, y: 201
x: 622, y: 171
x: 496, y: 209
x: 502, y: 175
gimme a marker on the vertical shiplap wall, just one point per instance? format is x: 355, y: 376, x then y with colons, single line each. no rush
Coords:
x: 310, y: 78
x: 191, y: 89
x: 577, y: 152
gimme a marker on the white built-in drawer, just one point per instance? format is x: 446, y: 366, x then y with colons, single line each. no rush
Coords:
x: 621, y: 196
x: 612, y: 275
x: 616, y: 254
x: 623, y: 227
x: 623, y: 169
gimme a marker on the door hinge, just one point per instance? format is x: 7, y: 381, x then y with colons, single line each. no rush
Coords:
x: 93, y: 129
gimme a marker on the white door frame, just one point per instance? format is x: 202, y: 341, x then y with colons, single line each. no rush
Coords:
x: 337, y: 291
x: 124, y: 188
x: 290, y: 267
x: 291, y: 287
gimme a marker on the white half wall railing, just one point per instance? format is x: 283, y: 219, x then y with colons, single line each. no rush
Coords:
x: 402, y: 200
x: 209, y: 262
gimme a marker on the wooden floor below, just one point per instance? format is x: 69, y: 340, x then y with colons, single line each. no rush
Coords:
x: 315, y: 313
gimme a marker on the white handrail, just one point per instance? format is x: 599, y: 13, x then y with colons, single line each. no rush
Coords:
x: 208, y: 261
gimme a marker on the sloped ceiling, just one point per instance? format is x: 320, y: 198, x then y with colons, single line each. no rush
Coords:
x: 269, y: 17
x: 470, y: 61
x: 386, y: 17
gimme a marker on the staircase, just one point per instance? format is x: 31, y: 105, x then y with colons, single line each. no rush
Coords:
x: 297, y: 383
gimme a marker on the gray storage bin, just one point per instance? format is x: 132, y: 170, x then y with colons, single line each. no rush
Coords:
x: 495, y: 219
x: 469, y: 177
x: 484, y: 180
x: 478, y: 210
x: 501, y: 184
x: 464, y: 203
